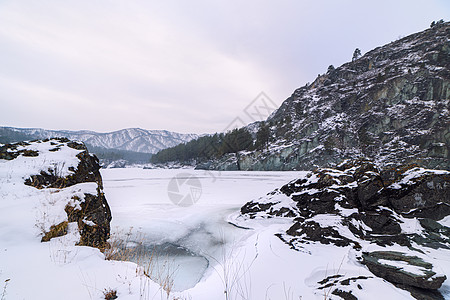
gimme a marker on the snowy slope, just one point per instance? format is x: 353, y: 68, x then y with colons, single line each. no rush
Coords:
x: 336, y: 219
x: 31, y: 269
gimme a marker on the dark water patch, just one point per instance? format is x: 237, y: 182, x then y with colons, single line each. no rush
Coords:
x: 168, y: 264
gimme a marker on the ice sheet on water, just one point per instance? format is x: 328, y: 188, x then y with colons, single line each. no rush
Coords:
x: 139, y: 200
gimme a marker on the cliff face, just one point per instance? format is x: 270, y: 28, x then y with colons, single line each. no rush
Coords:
x: 391, y: 106
x: 71, y: 176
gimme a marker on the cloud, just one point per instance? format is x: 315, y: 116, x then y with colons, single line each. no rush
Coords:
x: 177, y: 65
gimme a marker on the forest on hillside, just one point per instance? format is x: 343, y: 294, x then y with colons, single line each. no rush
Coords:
x: 214, y: 146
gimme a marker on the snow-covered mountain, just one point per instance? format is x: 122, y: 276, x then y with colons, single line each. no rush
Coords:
x: 130, y: 139
x: 390, y: 105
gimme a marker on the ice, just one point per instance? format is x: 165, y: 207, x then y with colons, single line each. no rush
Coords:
x: 139, y: 200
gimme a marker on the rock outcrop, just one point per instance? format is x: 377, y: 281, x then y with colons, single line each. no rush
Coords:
x: 360, y: 203
x: 86, y: 171
x: 407, y: 272
x: 390, y: 105
x: 401, y: 268
x: 67, y: 164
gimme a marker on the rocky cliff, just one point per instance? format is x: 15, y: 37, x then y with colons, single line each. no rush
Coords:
x: 390, y: 105
x: 71, y: 176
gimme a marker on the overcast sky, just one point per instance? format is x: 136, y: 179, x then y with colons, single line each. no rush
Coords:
x: 185, y: 66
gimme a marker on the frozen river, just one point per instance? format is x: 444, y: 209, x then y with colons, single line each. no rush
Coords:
x: 181, y: 213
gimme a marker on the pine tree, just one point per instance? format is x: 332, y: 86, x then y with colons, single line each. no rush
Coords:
x: 356, y: 54
x: 262, y: 136
x: 237, y: 140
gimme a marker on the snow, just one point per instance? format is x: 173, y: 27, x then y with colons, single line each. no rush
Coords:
x: 202, y: 228
x: 206, y: 245
x: 404, y: 266
x: 415, y: 173
x: 266, y: 267
x: 59, y: 161
x: 57, y: 269
x: 333, y: 122
x: 410, y: 226
x: 445, y: 221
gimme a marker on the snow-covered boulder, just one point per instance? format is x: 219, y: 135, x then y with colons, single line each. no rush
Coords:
x: 67, y: 169
x: 398, y: 267
x: 362, y: 206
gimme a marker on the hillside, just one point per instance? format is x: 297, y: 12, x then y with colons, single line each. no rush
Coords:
x: 391, y: 105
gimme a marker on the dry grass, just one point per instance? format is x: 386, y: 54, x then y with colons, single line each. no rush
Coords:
x: 119, y: 249
x: 4, y: 289
x: 233, y: 271
x: 326, y: 294
x: 163, y: 276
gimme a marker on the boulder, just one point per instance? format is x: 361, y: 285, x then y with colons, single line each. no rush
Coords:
x: 421, y: 193
x: 361, y: 203
x: 91, y: 210
x: 93, y: 217
x: 400, y: 268
x: 10, y: 152
x: 86, y: 171
x: 312, y: 231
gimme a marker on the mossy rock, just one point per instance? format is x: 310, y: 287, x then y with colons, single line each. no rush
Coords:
x: 30, y: 153
x: 55, y: 231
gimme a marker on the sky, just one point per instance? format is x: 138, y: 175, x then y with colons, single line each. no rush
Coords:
x: 183, y: 66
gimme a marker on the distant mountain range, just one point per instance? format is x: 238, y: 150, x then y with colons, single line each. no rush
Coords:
x: 129, y: 144
x: 130, y: 139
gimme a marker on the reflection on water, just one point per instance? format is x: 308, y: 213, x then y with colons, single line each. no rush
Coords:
x: 168, y: 264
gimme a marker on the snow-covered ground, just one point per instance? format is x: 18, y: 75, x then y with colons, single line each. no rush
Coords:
x: 56, y: 269
x: 205, y: 254
x: 247, y: 263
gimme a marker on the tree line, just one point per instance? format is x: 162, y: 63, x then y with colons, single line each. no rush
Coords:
x: 214, y: 146
x: 107, y: 155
